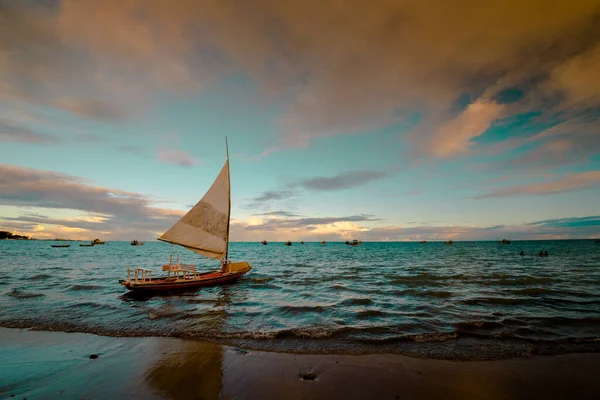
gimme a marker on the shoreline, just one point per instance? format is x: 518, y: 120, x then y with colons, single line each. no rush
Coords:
x: 48, y: 364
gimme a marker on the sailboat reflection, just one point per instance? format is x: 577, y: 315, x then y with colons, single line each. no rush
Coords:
x: 193, y: 369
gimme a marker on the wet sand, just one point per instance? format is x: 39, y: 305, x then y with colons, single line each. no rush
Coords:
x: 46, y: 365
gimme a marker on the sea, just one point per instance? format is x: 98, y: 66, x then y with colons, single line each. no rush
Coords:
x: 466, y: 301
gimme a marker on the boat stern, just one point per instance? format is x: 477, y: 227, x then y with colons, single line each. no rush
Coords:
x: 237, y: 267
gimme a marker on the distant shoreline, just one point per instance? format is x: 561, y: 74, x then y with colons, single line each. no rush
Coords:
x: 318, y: 242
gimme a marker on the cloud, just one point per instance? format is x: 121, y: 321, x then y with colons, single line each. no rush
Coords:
x: 454, y: 137
x: 10, y: 132
x: 279, y: 214
x: 303, y: 223
x: 273, y: 195
x: 94, y: 109
x: 346, y: 228
x: 573, y: 222
x: 345, y: 180
x: 571, y: 182
x: 114, y: 210
x: 334, y: 68
x: 577, y: 78
x: 177, y: 157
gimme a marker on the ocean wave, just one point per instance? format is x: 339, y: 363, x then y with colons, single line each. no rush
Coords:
x: 302, y: 309
x: 85, y: 287
x: 364, y: 301
x: 39, y: 277
x: 19, y: 294
x: 495, y: 300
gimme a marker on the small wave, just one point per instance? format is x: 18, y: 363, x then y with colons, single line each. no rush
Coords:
x: 201, y: 301
x: 532, y: 291
x: 522, y: 280
x: 85, y: 287
x: 364, y: 314
x: 39, y: 277
x: 495, y: 300
x: 258, y: 280
x: 18, y: 294
x: 357, y: 301
x: 477, y: 324
x: 301, y: 309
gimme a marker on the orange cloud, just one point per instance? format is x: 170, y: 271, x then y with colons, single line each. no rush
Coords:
x: 454, y: 137
x: 335, y: 67
x: 577, y: 181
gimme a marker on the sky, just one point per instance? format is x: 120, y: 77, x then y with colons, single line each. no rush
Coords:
x: 379, y: 121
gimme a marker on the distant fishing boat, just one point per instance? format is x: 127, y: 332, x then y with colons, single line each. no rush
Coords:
x: 449, y: 242
x: 98, y: 241
x: 86, y: 245
x: 423, y: 242
x: 288, y: 243
x: 136, y: 243
x: 323, y: 243
x: 60, y: 245
x: 354, y: 243
x: 264, y: 242
x: 203, y: 230
x: 504, y: 241
x: 301, y: 242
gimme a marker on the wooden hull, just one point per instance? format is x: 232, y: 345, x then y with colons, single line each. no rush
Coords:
x: 164, y: 284
x: 60, y: 245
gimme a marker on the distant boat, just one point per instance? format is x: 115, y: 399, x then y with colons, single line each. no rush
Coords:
x: 423, y: 242
x: 288, y: 243
x: 98, y: 241
x: 301, y: 242
x: 203, y: 230
x: 87, y: 245
x: 449, y: 242
x: 60, y: 245
x: 355, y: 243
x: 264, y: 242
x: 136, y: 243
x: 323, y: 243
x: 504, y: 241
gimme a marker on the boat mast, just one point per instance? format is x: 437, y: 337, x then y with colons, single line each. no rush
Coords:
x: 228, y: 200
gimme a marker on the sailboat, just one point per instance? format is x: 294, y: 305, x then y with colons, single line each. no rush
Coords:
x: 203, y: 230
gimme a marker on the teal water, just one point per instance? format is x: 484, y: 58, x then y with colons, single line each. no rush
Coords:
x: 471, y: 300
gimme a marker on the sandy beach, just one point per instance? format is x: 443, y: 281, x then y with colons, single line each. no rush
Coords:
x: 43, y: 365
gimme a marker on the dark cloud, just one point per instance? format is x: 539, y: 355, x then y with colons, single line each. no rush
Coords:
x: 279, y: 214
x: 335, y: 68
x: 11, y: 132
x: 113, y: 209
x: 303, y: 223
x: 273, y: 195
x: 345, y: 180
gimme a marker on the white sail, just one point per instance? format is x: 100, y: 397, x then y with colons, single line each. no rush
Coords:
x: 205, y: 228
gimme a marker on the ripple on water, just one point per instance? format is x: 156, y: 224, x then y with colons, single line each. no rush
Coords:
x: 21, y: 294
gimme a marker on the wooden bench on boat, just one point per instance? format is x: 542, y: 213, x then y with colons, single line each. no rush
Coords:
x: 140, y: 274
x: 180, y: 271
